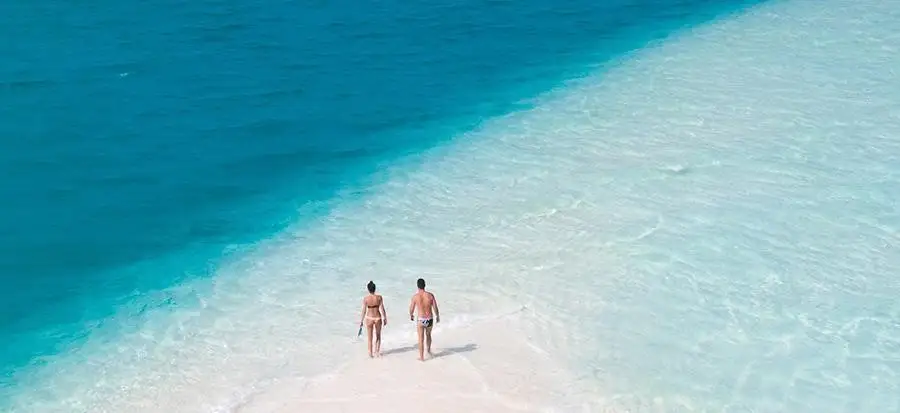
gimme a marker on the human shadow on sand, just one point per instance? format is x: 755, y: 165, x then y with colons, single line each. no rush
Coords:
x: 441, y: 353
x: 399, y: 350
x: 454, y: 350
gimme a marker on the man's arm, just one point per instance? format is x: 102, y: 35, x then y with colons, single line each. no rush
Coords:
x: 412, y: 307
x: 437, y: 311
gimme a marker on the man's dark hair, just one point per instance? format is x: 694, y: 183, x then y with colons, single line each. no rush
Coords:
x: 371, y: 287
x: 420, y: 283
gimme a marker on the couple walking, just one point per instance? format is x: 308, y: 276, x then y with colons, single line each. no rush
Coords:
x: 374, y: 316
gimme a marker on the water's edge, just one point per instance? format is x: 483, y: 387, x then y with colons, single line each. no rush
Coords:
x: 278, y: 209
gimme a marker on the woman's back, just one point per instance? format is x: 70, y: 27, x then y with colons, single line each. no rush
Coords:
x: 374, y: 317
x: 373, y: 302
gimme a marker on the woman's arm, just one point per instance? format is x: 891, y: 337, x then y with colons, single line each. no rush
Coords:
x: 363, y: 315
x: 383, y: 312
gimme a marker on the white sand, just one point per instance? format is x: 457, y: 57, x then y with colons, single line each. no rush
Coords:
x: 485, y: 367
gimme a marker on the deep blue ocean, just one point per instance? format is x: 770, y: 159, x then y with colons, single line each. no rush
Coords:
x: 138, y: 141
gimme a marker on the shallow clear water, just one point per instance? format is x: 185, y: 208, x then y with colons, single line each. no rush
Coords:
x: 709, y: 224
x: 140, y: 143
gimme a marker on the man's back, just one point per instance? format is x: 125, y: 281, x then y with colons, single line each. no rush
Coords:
x: 424, y: 302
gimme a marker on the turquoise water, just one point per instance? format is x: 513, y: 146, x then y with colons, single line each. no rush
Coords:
x: 138, y: 142
x: 707, y: 222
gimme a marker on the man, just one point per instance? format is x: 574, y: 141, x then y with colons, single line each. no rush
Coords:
x: 424, y: 301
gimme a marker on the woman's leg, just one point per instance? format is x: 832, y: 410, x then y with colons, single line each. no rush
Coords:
x: 369, y: 335
x: 378, y: 338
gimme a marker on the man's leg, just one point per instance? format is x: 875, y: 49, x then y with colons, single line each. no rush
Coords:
x: 428, y: 340
x: 421, y: 330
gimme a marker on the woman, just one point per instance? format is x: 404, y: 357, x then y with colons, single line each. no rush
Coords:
x: 374, y: 316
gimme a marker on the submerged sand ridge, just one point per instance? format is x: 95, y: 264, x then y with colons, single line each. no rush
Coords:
x: 487, y: 366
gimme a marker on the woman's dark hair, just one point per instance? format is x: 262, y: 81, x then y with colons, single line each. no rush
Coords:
x: 371, y: 287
